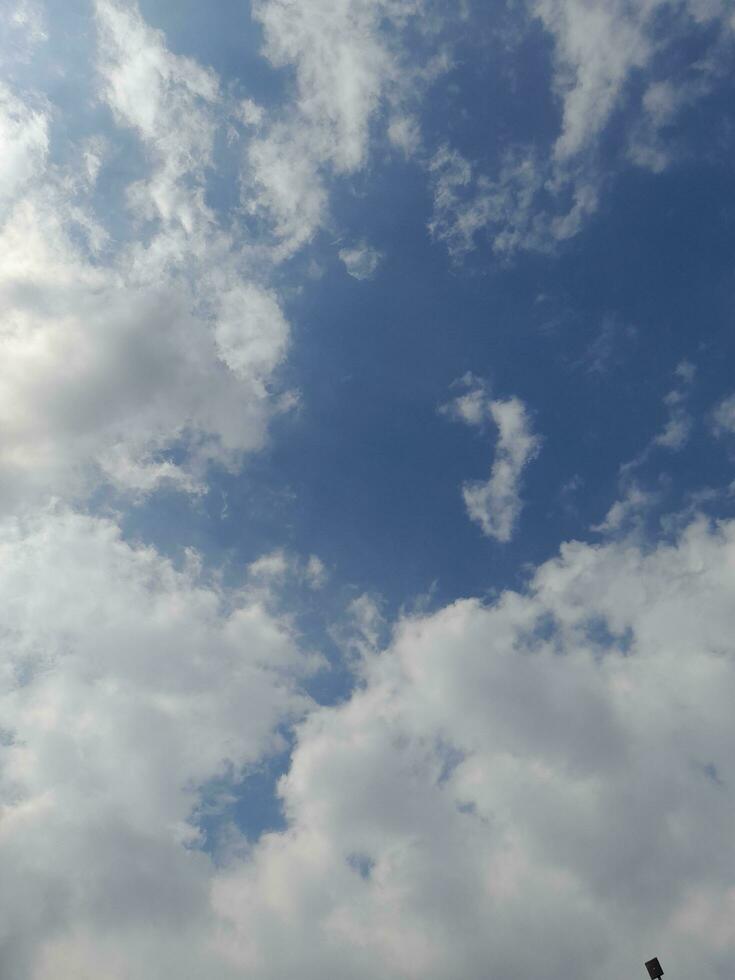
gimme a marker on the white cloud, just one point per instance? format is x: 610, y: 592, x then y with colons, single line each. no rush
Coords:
x: 361, y: 260
x: 270, y: 568
x: 24, y: 138
x: 724, y: 416
x: 506, y: 208
x: 250, y: 113
x: 349, y: 61
x: 679, y: 424
x: 341, y: 64
x: 625, y: 513
x: 166, y: 98
x: 315, y: 573
x: 137, y: 361
x: 495, y: 504
x: 517, y: 786
x: 274, y: 569
x: 366, y: 624
x: 512, y: 786
x: 125, y: 686
x: 404, y: 133
x: 598, y: 45
x: 686, y: 371
x: 471, y: 407
x: 101, y: 372
x: 673, y: 436
x: 675, y: 433
x: 534, y: 200
x: 283, y: 180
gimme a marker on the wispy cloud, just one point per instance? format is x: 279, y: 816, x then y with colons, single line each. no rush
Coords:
x: 495, y: 504
x: 361, y: 260
x: 533, y: 199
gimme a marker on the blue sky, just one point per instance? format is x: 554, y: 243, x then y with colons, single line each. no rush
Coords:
x: 366, y: 493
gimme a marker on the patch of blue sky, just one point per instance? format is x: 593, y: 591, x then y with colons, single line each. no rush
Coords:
x: 249, y: 801
x: 599, y: 633
x: 367, y: 474
x: 223, y: 36
x: 363, y: 864
x: 496, y: 92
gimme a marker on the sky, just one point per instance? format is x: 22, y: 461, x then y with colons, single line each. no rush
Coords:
x: 367, y: 506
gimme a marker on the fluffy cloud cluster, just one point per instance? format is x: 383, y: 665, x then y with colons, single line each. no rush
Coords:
x: 513, y: 787
x: 522, y: 788
x: 525, y: 786
x: 495, y: 504
x: 133, y: 361
x: 125, y: 685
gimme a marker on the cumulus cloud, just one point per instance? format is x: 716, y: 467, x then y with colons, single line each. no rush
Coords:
x: 125, y: 686
x: 134, y: 360
x: 517, y: 785
x: 495, y: 504
x: 512, y: 786
x: 146, y: 373
x: 361, y: 260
